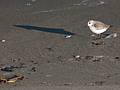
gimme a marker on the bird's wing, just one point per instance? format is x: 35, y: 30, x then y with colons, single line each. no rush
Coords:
x: 100, y: 25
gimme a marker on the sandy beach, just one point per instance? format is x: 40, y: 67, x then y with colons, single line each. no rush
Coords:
x: 34, y: 44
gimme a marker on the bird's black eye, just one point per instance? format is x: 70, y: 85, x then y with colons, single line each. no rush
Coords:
x: 88, y: 22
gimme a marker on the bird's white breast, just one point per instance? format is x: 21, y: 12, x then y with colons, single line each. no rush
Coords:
x: 94, y: 30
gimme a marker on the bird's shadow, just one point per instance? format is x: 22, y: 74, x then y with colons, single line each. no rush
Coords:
x: 45, y: 29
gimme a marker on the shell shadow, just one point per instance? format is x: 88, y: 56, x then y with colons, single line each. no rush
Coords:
x: 45, y: 29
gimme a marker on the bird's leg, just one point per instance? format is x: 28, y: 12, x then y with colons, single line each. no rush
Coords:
x: 99, y: 36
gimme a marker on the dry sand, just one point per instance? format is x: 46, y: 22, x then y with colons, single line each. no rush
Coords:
x: 35, y: 44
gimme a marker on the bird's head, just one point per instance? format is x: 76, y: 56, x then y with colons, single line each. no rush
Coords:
x: 90, y: 22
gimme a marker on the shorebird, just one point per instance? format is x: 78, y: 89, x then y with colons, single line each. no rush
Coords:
x: 98, y: 27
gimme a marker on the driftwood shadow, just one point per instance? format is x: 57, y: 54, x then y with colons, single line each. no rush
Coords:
x: 45, y: 29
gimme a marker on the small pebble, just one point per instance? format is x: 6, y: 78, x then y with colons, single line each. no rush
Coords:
x: 93, y: 35
x: 101, y: 3
x: 115, y: 35
x: 3, y: 40
x: 33, y: 69
x: 77, y: 56
x: 117, y: 57
x: 68, y: 36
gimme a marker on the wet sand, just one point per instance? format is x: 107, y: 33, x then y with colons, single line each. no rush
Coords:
x: 34, y: 34
x: 65, y: 88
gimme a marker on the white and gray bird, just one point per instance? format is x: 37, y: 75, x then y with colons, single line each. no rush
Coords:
x: 97, y: 27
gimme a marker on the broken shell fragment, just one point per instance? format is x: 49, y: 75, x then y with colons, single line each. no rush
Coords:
x: 10, y: 78
x: 13, y: 80
x: 114, y: 35
x: 68, y: 36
